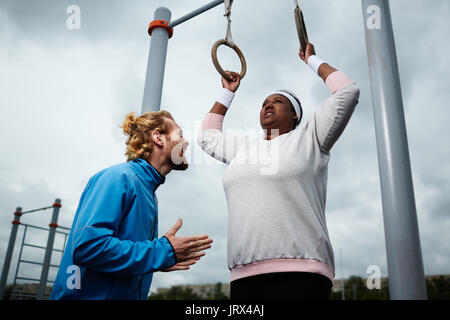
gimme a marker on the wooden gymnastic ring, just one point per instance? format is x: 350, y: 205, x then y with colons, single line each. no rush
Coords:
x: 217, y: 64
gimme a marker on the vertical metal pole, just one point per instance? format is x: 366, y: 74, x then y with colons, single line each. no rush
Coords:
x: 18, y: 262
x: 48, y: 251
x: 9, y: 251
x: 342, y: 270
x: 156, y: 64
x: 404, y: 256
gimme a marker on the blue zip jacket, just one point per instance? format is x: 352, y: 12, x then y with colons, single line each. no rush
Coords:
x: 113, y: 249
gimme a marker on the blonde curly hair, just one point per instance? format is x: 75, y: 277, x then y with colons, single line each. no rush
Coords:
x: 138, y: 129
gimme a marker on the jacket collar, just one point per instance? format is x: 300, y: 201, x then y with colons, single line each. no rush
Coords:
x: 149, y: 173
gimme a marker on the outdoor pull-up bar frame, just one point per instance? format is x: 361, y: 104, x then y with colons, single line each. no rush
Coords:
x: 158, y: 52
x: 46, y: 264
x: 404, y: 256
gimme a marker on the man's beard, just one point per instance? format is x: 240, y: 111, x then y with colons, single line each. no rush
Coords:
x: 178, y: 159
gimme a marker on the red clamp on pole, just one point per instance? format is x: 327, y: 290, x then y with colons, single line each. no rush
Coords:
x: 58, y: 205
x: 53, y: 225
x: 17, y: 213
x: 160, y: 24
x: 15, y: 222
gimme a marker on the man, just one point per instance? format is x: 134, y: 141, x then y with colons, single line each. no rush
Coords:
x: 113, y: 249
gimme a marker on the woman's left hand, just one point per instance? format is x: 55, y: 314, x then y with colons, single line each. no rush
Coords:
x: 310, y: 51
x: 234, y: 84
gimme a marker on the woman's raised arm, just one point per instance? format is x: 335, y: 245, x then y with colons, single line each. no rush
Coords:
x: 331, y: 118
x: 211, y: 139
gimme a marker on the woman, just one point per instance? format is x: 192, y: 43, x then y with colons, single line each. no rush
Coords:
x: 278, y: 243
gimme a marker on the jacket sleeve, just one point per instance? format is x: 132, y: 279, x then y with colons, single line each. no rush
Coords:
x: 220, y: 145
x: 106, y: 200
x: 332, y: 116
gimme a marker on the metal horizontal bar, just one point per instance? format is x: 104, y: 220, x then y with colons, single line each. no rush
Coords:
x: 40, y: 247
x: 34, y: 246
x: 194, y: 13
x: 23, y: 294
x: 36, y: 227
x: 29, y: 279
x: 65, y: 228
x: 32, y: 262
x: 62, y: 232
x: 34, y: 210
x: 38, y: 263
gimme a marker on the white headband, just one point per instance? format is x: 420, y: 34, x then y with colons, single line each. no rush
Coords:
x: 298, y: 109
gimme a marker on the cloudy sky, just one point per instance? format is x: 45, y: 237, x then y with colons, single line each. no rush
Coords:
x: 63, y: 94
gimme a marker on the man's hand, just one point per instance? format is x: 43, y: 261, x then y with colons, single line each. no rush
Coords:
x: 232, y: 85
x: 181, y: 265
x: 188, y: 250
x: 310, y: 51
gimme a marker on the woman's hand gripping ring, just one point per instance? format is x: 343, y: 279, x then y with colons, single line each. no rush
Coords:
x: 217, y: 64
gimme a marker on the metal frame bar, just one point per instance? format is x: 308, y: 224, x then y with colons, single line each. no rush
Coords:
x: 34, y: 227
x: 9, y: 251
x: 34, y: 210
x: 195, y: 13
x: 49, y: 249
x: 20, y: 258
x: 25, y: 278
x: 158, y: 52
x: 404, y: 254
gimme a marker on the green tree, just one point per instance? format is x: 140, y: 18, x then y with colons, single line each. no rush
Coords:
x: 176, y: 293
x: 218, y: 294
x: 438, y: 288
x: 356, y: 289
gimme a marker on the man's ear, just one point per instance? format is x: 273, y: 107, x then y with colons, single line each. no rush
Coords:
x: 157, y: 138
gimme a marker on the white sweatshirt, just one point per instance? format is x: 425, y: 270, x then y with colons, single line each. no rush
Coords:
x: 276, y: 189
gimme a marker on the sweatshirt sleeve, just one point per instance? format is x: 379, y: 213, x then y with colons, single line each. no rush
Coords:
x: 332, y: 116
x: 105, y: 201
x: 220, y: 145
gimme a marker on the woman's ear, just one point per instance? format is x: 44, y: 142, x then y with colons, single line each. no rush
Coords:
x: 295, y: 118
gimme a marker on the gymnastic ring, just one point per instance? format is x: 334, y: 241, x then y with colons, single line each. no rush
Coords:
x: 217, y: 64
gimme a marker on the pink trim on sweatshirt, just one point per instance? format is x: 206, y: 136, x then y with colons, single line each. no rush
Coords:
x: 282, y: 265
x: 212, y: 121
x: 337, y: 81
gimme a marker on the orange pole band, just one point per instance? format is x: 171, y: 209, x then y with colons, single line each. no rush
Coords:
x: 15, y: 222
x: 53, y: 225
x: 59, y: 205
x: 160, y: 24
x: 17, y: 213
